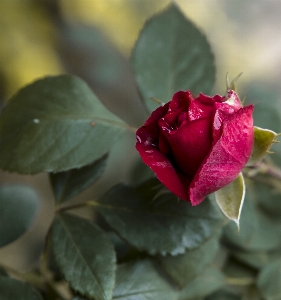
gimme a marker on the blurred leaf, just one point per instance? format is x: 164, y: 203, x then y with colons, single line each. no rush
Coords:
x: 161, y: 224
x: 263, y: 139
x: 18, y: 207
x: 223, y: 295
x: 55, y: 124
x: 172, y: 54
x: 85, y: 256
x: 141, y: 280
x: 230, y: 199
x: 140, y: 172
x: 70, y: 183
x: 257, y: 233
x: 267, y: 198
x: 3, y: 272
x: 11, y: 289
x: 255, y: 260
x: 184, y: 267
x: 210, y: 280
x: 236, y: 269
x: 86, y: 51
x: 269, y: 281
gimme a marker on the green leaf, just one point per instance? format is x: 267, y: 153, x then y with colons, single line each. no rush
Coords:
x: 257, y: 232
x: 18, y: 207
x: 230, y: 199
x: 11, y: 289
x: 160, y: 224
x: 267, y: 197
x: 184, y: 267
x: 55, y: 124
x: 70, y: 183
x: 223, y: 295
x: 269, y: 281
x: 141, y: 280
x: 263, y: 139
x: 172, y: 54
x: 210, y: 280
x: 85, y: 256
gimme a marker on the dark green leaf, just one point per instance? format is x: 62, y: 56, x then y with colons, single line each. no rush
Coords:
x: 267, y: 197
x: 210, y: 280
x: 254, y: 260
x: 172, y: 54
x: 269, y: 281
x: 70, y: 183
x: 223, y: 295
x: 160, y: 224
x: 257, y: 232
x: 141, y: 280
x: 18, y: 207
x: 11, y: 289
x: 85, y: 256
x: 184, y: 267
x: 55, y: 124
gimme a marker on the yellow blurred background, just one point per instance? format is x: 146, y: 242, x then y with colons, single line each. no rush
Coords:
x: 48, y: 37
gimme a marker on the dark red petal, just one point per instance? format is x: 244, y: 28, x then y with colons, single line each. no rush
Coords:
x: 180, y: 100
x: 158, y: 113
x: 190, y: 144
x: 199, y: 109
x: 165, y: 172
x: 228, y: 156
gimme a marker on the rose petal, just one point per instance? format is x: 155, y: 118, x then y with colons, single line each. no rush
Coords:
x: 228, y: 156
x: 190, y: 144
x: 164, y: 170
x: 201, y: 108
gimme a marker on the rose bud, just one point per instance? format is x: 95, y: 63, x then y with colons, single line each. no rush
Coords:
x: 196, y: 146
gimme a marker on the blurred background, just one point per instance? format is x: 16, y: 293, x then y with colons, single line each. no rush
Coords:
x: 94, y: 38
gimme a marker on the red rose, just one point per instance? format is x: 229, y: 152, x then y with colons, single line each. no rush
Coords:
x: 196, y: 146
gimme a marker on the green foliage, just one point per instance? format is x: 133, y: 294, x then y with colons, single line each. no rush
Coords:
x: 18, y: 207
x: 55, y: 124
x: 255, y: 231
x: 269, y: 281
x: 70, y: 183
x: 210, y: 280
x: 13, y: 289
x: 85, y: 256
x: 171, y: 54
x: 143, y: 242
x: 184, y: 267
x: 142, y: 280
x: 162, y: 223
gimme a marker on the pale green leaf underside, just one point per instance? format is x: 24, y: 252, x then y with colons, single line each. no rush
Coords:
x: 11, y: 289
x: 263, y: 139
x: 85, y: 256
x: 230, y: 199
x: 172, y: 54
x: 55, y: 124
x: 18, y: 207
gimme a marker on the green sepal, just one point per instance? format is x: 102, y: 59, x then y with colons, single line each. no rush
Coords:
x: 230, y: 199
x: 263, y: 139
